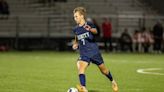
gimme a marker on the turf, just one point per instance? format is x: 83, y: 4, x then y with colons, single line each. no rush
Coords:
x: 44, y: 71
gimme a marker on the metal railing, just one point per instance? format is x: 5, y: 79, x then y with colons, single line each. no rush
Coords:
x: 61, y: 25
x: 16, y: 30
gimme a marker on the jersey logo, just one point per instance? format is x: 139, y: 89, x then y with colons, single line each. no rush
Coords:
x: 83, y: 36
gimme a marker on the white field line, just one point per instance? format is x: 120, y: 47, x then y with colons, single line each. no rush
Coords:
x: 152, y: 71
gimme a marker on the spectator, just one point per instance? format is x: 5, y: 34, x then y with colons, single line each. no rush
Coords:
x: 126, y: 41
x: 158, y: 37
x: 148, y: 40
x: 137, y: 41
x: 107, y: 34
x: 4, y: 8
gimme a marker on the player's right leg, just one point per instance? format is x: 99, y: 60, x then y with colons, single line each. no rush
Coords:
x: 82, y: 66
x: 98, y: 60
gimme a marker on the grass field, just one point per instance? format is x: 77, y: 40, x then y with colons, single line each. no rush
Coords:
x: 56, y: 72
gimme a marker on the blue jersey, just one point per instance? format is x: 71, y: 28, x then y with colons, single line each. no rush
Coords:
x: 87, y: 44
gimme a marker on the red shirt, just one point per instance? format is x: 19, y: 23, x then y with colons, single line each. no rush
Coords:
x: 107, y: 29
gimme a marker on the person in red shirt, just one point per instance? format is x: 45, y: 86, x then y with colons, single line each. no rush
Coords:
x: 107, y: 34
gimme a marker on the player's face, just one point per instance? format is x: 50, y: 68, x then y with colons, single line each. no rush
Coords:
x: 78, y: 17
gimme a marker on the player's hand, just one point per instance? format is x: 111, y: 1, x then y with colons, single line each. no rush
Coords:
x: 75, y: 46
x: 87, y: 27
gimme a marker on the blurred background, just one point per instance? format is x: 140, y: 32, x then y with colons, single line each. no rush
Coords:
x: 36, y: 38
x: 123, y: 25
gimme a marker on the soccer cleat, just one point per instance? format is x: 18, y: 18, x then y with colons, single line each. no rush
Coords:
x: 114, y: 86
x: 81, y: 88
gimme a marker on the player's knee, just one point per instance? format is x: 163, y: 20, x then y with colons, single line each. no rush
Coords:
x: 81, y: 71
x: 82, y: 67
x: 105, y: 71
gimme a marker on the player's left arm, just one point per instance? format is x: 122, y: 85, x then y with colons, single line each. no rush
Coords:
x: 89, y: 28
x: 93, y: 30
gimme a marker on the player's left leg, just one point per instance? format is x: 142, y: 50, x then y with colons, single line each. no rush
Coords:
x: 104, y: 70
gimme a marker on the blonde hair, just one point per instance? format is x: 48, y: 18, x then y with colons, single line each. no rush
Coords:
x: 81, y: 10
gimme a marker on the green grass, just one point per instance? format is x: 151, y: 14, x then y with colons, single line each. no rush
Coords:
x: 56, y: 72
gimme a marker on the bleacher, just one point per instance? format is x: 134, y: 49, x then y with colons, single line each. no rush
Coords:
x: 32, y: 19
x: 94, y: 7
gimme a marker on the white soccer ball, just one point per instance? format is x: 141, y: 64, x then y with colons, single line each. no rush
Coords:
x: 72, y: 90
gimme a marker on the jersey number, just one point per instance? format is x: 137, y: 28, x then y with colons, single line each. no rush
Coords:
x: 83, y: 41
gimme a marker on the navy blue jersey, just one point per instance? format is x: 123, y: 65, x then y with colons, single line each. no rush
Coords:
x: 87, y: 45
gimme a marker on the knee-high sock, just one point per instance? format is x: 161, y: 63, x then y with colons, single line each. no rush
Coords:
x: 109, y: 75
x: 82, y: 79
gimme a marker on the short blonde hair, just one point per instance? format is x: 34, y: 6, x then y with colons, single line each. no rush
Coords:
x: 81, y: 10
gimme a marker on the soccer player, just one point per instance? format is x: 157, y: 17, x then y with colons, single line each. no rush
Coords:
x: 89, y: 51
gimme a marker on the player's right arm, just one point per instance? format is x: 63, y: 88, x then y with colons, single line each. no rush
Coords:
x: 75, y: 43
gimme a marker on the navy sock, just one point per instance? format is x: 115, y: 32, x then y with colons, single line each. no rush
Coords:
x: 110, y: 76
x: 82, y: 79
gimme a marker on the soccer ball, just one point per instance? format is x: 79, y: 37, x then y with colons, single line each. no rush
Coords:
x: 72, y: 90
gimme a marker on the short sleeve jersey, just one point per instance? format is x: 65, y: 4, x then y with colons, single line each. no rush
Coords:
x: 87, y: 44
